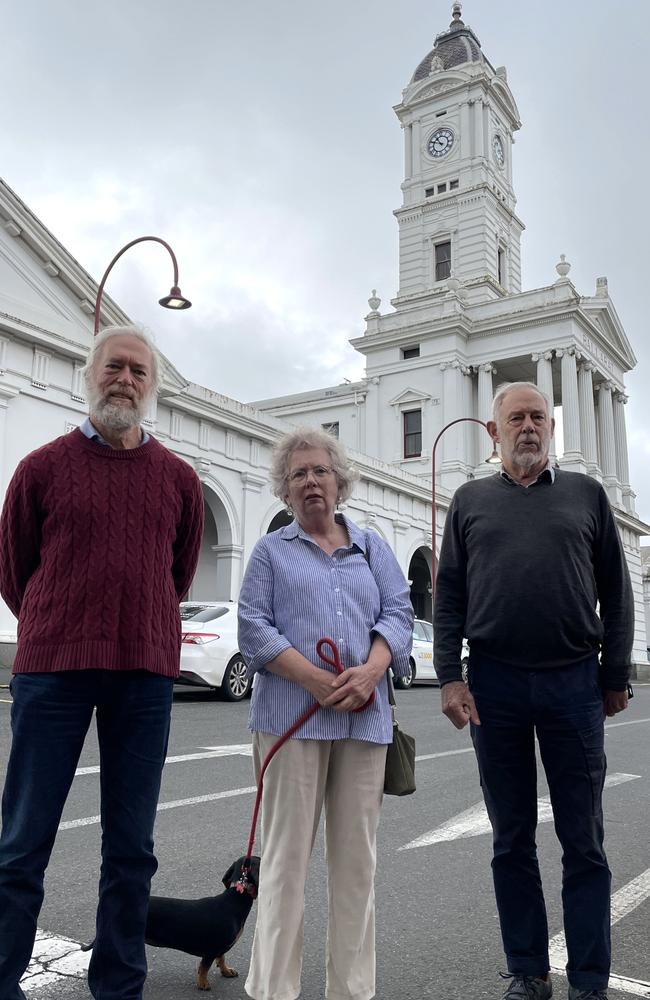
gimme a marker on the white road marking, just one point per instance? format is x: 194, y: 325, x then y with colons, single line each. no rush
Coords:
x: 624, y: 901
x: 474, y: 821
x: 54, y: 959
x: 232, y: 750
x: 444, y: 753
x: 630, y: 722
x: 175, y: 804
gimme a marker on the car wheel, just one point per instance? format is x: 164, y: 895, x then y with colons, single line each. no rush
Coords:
x: 235, y: 685
x: 405, y: 682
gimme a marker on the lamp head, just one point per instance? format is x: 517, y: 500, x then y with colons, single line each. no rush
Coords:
x: 175, y: 299
x: 494, y: 459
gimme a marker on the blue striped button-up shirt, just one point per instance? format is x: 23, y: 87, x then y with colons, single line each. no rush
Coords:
x: 294, y: 594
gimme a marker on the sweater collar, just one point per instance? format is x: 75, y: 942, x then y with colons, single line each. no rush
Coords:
x: 118, y: 454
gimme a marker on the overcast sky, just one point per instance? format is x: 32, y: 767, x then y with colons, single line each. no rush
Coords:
x: 259, y: 139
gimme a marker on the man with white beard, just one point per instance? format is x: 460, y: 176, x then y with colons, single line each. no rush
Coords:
x: 99, y: 540
x: 532, y: 572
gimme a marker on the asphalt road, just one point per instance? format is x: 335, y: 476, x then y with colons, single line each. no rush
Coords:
x: 437, y: 932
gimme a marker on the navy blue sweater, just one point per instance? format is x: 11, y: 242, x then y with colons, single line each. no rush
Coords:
x: 522, y: 571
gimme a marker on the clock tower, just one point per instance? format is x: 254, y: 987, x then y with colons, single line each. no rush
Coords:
x: 458, y: 214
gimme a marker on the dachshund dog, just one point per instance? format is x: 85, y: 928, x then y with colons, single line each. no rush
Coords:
x: 206, y: 927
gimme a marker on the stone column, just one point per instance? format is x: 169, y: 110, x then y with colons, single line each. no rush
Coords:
x: 453, y: 467
x: 229, y: 566
x: 465, y: 137
x: 572, y: 458
x: 620, y: 444
x: 477, y: 110
x: 544, y: 382
x: 485, y: 394
x: 7, y: 393
x: 408, y: 151
x: 607, y: 442
x: 588, y: 418
x: 416, y: 137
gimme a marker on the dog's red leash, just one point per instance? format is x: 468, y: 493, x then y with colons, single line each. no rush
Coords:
x: 334, y: 661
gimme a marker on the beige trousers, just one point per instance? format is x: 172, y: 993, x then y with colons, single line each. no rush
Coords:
x: 347, y: 777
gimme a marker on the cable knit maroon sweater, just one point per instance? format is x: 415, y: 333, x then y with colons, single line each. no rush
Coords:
x: 97, y: 548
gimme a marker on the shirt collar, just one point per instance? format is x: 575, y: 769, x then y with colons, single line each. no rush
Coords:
x: 355, y: 533
x: 547, y: 475
x: 88, y: 428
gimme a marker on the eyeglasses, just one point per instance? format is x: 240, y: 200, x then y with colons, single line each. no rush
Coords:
x: 299, y: 476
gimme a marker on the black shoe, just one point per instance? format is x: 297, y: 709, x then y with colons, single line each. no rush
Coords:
x: 575, y: 994
x: 527, y: 988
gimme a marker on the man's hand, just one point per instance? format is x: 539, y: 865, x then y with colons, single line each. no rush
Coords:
x: 614, y: 702
x: 458, y: 704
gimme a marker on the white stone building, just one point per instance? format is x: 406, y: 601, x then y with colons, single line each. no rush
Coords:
x: 460, y: 324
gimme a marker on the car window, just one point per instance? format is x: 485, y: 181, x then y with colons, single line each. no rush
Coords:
x: 428, y: 631
x: 418, y: 631
x: 201, y: 613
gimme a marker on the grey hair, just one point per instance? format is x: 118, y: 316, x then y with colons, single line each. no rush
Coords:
x: 126, y: 331
x: 311, y: 437
x: 507, y: 387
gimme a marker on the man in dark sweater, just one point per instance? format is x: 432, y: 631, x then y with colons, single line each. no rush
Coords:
x: 99, y: 540
x: 527, y: 555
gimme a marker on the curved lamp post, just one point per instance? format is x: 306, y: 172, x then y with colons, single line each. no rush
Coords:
x: 492, y: 460
x: 175, y: 299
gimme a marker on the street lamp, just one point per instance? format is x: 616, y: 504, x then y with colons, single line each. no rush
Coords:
x: 175, y: 299
x: 492, y: 460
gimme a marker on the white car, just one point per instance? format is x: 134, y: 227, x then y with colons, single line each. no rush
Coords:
x: 210, y: 656
x: 421, y: 661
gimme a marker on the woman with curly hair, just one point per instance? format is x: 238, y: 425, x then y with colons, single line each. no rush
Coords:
x: 321, y: 575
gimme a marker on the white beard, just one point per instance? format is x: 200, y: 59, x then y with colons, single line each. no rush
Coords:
x: 116, y: 416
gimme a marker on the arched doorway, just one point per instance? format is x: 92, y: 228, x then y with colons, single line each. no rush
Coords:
x: 420, y: 582
x: 281, y: 519
x: 214, y: 577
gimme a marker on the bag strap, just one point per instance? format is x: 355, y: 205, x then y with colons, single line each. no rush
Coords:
x: 389, y: 672
x: 391, y: 689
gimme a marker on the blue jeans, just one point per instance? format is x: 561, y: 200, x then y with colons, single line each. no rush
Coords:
x: 565, y: 708
x: 50, y: 716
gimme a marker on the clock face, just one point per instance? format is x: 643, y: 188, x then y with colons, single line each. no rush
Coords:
x: 498, y: 150
x: 440, y: 142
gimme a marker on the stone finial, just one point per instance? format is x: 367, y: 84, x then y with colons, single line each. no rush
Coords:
x: 563, y: 267
x: 374, y: 302
x: 602, y: 290
x: 456, y: 11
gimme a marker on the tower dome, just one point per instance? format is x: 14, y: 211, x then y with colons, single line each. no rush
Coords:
x: 453, y: 47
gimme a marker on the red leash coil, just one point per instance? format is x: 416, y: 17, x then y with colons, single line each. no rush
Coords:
x: 334, y: 661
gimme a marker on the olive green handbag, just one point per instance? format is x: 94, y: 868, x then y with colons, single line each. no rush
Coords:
x: 399, y: 778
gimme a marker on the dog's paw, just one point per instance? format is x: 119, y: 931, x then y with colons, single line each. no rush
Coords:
x: 229, y: 972
x: 203, y: 984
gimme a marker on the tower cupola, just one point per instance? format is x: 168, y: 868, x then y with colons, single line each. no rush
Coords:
x: 451, y: 48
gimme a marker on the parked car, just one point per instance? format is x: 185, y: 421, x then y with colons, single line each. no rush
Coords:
x: 421, y: 661
x: 209, y: 653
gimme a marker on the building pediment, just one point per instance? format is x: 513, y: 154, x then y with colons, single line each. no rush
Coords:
x: 54, y: 285
x: 611, y: 335
x: 503, y: 94
x: 410, y: 395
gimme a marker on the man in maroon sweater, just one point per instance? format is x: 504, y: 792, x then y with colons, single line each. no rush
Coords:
x: 99, y: 540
